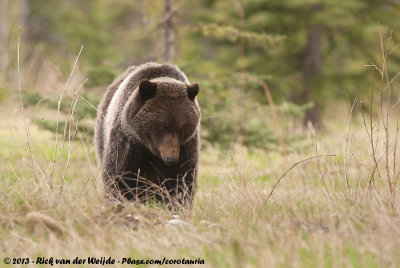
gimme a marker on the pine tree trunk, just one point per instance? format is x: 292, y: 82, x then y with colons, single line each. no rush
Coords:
x: 169, y: 36
x: 312, y: 68
x: 24, y: 19
x: 241, y: 127
x: 4, y: 35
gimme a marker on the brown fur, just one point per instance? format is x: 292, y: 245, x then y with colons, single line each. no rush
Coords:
x: 147, y: 134
x: 102, y: 109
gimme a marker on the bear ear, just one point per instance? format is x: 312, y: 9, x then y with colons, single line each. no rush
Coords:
x: 147, y: 89
x: 193, y: 90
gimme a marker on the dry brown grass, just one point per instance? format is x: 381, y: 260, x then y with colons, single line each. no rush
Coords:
x: 334, y: 211
x: 233, y: 224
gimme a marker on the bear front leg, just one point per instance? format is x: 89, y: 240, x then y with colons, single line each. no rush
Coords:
x: 189, y: 166
x: 187, y: 175
x: 113, y: 167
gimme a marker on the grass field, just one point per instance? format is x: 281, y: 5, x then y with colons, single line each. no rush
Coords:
x: 325, y: 212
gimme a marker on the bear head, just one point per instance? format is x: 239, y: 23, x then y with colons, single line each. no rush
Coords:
x: 162, y: 114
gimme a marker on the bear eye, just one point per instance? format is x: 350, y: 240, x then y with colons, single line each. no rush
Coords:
x: 162, y: 128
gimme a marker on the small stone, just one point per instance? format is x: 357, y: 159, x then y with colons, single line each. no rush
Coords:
x: 179, y: 224
x: 214, y: 226
x: 204, y: 223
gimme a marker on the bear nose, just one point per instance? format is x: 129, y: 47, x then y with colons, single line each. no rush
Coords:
x: 171, y: 160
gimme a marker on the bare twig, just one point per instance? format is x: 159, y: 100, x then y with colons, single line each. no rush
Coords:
x: 394, y: 49
x: 385, y: 116
x: 71, y: 111
x: 346, y: 177
x: 293, y: 166
x: 58, y: 117
x: 26, y: 125
x: 321, y: 175
x: 91, y: 105
x: 373, y: 65
x: 371, y: 134
x: 395, y: 148
x: 68, y: 121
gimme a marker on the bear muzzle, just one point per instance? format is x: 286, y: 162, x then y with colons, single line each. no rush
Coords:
x: 171, y: 157
x: 171, y: 160
x: 169, y: 149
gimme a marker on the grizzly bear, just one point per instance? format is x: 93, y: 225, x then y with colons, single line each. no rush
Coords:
x: 147, y: 135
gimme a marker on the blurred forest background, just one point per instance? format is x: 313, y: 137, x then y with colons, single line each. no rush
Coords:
x: 256, y: 60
